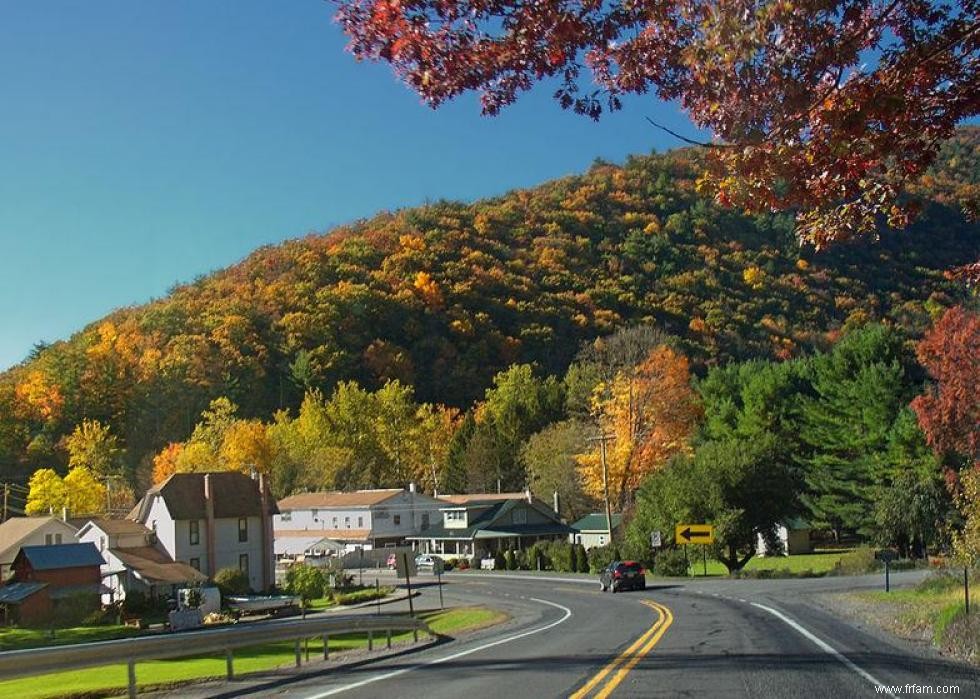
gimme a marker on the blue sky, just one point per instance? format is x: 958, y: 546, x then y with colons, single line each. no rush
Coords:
x: 145, y: 143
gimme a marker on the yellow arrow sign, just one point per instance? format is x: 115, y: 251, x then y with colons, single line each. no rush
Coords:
x: 694, y: 534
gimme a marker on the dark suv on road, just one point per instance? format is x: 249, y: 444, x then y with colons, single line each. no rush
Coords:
x: 622, y: 575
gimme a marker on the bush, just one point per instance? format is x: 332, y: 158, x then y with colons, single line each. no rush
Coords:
x: 510, y: 560
x: 858, y: 562
x: 581, y: 559
x: 135, y: 603
x: 231, y: 581
x: 305, y: 581
x: 560, y: 553
x: 670, y: 563
x: 537, y: 556
x: 940, y: 581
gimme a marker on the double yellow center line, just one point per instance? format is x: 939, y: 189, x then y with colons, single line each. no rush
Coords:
x: 617, y: 670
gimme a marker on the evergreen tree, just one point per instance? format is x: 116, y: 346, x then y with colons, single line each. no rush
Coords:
x: 858, y: 391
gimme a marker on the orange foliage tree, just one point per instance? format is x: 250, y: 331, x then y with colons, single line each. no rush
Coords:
x: 651, y: 413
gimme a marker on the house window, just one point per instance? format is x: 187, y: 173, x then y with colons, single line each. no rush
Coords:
x: 315, y: 512
x: 347, y: 522
x: 101, y: 543
x: 243, y: 563
x: 397, y: 519
x: 334, y: 522
x: 602, y: 540
x: 455, y: 516
x: 360, y: 522
x: 520, y: 516
x: 195, y: 532
x: 196, y: 564
x: 286, y: 517
x: 242, y: 529
x: 50, y: 539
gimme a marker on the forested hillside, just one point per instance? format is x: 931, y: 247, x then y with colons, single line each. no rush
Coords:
x: 445, y: 296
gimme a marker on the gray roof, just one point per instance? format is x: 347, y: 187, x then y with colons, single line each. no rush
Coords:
x: 234, y: 495
x: 61, y: 556
x: 15, y: 593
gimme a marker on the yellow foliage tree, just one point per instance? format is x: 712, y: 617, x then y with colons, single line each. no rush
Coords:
x: 196, y: 457
x: 428, y: 289
x: 92, y: 445
x: 245, y: 447
x: 650, y: 413
x: 967, y: 542
x: 47, y: 493
x: 85, y: 494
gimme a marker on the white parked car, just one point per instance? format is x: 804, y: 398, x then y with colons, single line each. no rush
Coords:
x: 428, y: 560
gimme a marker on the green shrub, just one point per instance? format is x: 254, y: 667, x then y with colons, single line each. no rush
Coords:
x: 581, y: 559
x: 560, y: 554
x: 537, y: 556
x: 858, y: 562
x: 509, y: 560
x: 135, y: 603
x: 670, y: 563
x: 305, y: 581
x: 231, y: 581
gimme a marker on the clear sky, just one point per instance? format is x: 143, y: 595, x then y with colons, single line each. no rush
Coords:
x: 145, y: 143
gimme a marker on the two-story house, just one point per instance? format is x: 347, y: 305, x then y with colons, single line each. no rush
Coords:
x: 484, y: 523
x: 135, y: 560
x: 18, y: 532
x: 311, y: 522
x: 211, y: 521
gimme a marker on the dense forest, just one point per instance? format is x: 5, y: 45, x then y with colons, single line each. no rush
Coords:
x: 437, y: 307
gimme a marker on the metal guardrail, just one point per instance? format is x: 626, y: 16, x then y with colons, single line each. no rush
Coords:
x: 38, y: 661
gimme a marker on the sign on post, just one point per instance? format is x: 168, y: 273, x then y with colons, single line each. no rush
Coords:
x: 655, y: 540
x: 694, y: 534
x: 405, y: 565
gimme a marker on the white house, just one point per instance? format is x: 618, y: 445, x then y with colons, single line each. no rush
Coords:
x: 484, y: 523
x: 134, y: 560
x: 593, y: 529
x: 17, y: 532
x: 311, y: 522
x: 211, y: 521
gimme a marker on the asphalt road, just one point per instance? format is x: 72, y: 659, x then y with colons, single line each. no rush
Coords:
x: 718, y: 638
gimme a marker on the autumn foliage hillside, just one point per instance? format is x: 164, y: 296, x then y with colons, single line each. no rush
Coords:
x: 442, y: 297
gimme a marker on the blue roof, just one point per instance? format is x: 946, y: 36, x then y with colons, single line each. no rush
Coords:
x: 15, y: 593
x: 62, y: 556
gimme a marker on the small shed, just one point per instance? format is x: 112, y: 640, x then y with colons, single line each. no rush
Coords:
x: 24, y: 603
x: 794, y: 535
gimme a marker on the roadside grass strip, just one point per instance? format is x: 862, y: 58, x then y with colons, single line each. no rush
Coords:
x: 620, y: 667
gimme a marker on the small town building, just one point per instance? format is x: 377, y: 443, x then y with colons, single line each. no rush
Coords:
x: 46, y: 577
x: 593, y: 529
x: 135, y: 561
x: 341, y: 522
x: 482, y: 524
x: 211, y: 521
x: 794, y: 535
x: 18, y: 532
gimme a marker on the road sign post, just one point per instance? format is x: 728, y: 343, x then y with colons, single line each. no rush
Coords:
x: 887, y: 556
x: 694, y: 534
x: 656, y: 540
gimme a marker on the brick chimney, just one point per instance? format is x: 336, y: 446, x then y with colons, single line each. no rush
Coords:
x: 209, y: 524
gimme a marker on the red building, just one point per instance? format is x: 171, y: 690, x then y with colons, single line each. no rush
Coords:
x: 46, y: 576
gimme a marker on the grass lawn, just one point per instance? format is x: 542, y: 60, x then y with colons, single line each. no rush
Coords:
x: 15, y: 639
x: 818, y: 562
x: 916, y: 612
x: 367, y: 594
x: 113, y: 678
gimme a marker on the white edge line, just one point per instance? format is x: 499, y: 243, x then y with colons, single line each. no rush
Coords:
x: 454, y: 656
x: 827, y: 648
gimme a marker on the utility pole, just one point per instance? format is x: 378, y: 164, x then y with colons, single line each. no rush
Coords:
x: 602, y: 439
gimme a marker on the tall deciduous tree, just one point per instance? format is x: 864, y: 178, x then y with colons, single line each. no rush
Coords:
x: 47, y: 492
x: 650, y: 411
x: 803, y: 118
x: 949, y: 410
x: 85, y: 494
x: 93, y: 445
x: 550, y: 457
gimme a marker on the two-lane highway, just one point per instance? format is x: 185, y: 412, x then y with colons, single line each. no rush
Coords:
x: 566, y: 639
